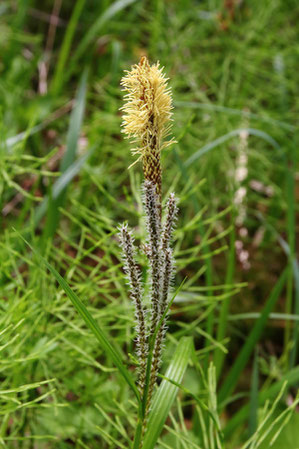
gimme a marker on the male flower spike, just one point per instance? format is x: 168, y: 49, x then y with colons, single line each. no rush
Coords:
x: 147, y: 113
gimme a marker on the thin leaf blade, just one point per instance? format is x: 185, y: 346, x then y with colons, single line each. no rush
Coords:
x: 99, y: 333
x: 167, y: 392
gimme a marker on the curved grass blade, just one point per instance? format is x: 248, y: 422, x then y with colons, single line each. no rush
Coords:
x: 225, y: 137
x: 99, y: 333
x: 69, y: 156
x: 232, y: 111
x: 243, y: 357
x: 60, y: 184
x: 167, y: 392
x: 13, y: 140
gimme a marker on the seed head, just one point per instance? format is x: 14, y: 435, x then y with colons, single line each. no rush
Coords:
x: 147, y: 115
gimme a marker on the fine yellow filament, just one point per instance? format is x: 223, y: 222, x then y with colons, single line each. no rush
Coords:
x: 147, y: 116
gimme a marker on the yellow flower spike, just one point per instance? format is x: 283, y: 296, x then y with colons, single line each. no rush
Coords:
x: 147, y: 113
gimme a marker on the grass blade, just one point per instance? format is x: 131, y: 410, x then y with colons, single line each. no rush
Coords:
x: 60, y: 185
x: 69, y: 156
x: 253, y: 404
x: 167, y: 392
x: 296, y: 312
x: 232, y: 111
x: 75, y: 124
x: 243, y: 357
x: 293, y: 263
x: 219, y: 355
x: 222, y: 139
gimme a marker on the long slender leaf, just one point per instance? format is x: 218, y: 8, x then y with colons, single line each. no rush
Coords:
x: 243, y: 357
x: 253, y: 403
x: 232, y: 111
x: 99, y: 333
x: 75, y: 124
x: 167, y: 392
x: 61, y: 183
x: 222, y: 139
x: 295, y: 267
x: 13, y: 140
x: 219, y: 355
x: 69, y: 156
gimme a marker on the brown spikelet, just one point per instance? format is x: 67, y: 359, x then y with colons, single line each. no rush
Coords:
x: 147, y: 113
x: 134, y: 277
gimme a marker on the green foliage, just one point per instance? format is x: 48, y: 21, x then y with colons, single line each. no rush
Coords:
x: 67, y: 379
x: 167, y: 392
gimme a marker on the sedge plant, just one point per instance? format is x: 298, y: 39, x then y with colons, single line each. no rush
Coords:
x: 147, y: 116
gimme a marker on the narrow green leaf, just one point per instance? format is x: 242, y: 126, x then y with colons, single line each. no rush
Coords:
x: 225, y: 137
x: 219, y: 355
x: 232, y: 111
x: 13, y: 140
x: 99, y: 333
x: 253, y: 403
x: 243, y: 357
x: 207, y: 256
x: 292, y: 377
x: 293, y: 262
x: 75, y: 124
x: 167, y: 392
x: 294, y: 349
x: 60, y: 184
x: 26, y: 387
x: 69, y: 156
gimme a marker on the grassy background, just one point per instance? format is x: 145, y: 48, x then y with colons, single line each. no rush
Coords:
x: 65, y: 186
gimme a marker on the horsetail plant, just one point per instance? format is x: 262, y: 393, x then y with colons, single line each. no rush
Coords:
x: 147, y: 115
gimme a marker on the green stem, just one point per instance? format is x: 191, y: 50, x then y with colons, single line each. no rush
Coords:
x: 288, y: 310
x: 139, y: 430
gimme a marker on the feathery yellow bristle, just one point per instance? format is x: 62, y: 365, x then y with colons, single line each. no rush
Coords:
x: 147, y: 113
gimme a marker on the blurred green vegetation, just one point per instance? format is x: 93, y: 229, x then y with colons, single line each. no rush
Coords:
x: 64, y: 185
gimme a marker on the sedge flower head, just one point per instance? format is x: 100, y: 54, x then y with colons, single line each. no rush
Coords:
x: 148, y: 107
